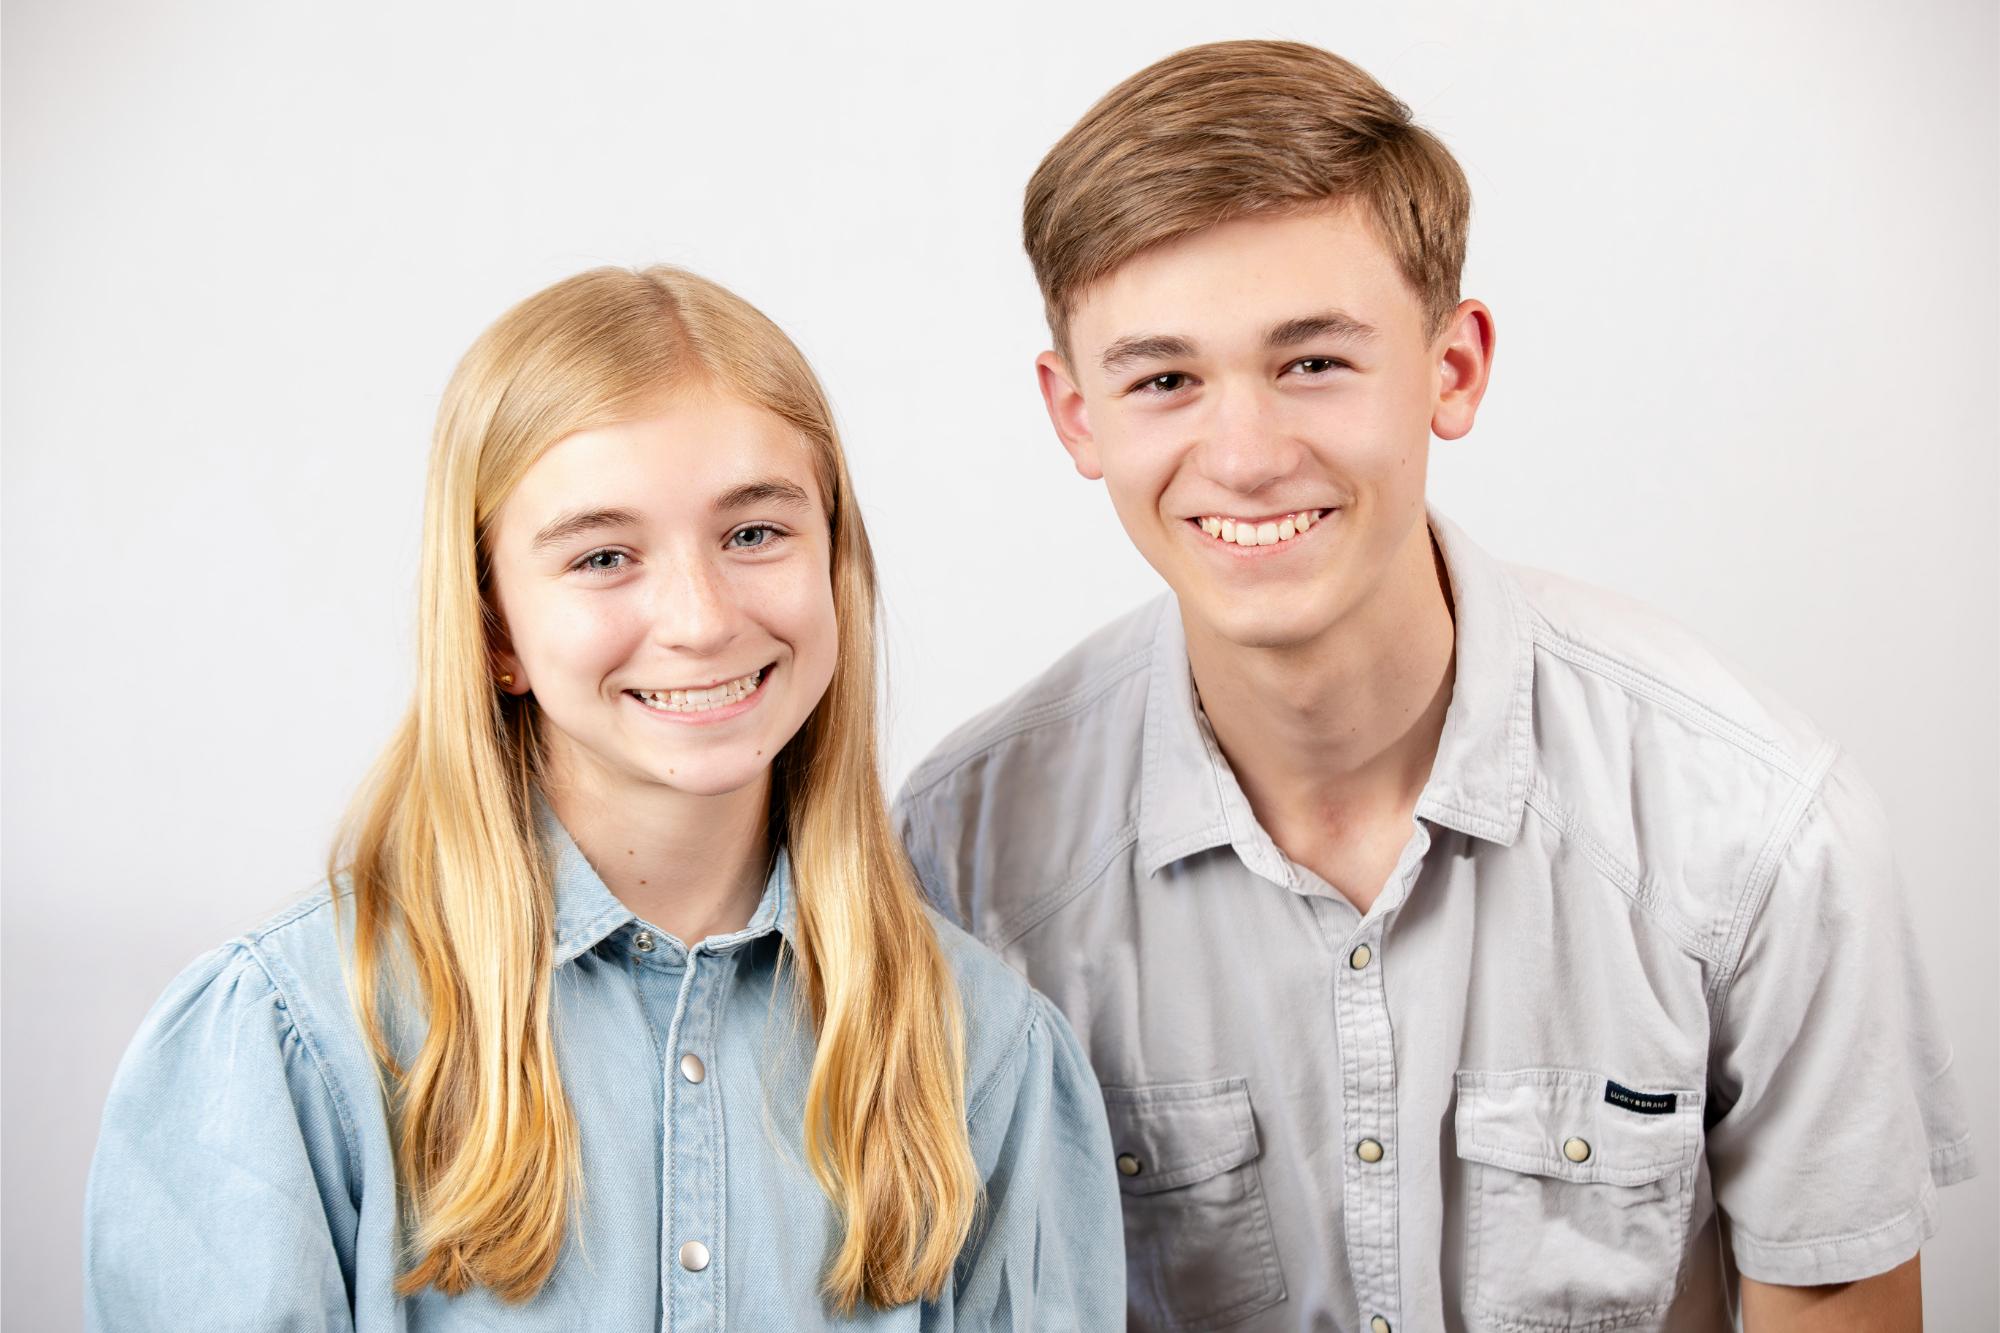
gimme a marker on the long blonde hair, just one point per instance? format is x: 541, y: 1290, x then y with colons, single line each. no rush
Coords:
x: 451, y: 893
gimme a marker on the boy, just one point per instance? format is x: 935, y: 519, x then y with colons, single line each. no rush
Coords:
x: 1457, y: 946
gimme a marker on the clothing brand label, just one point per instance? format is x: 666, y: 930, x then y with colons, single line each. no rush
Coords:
x: 1645, y: 1103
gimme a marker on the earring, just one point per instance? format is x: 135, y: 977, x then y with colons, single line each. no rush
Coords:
x: 507, y: 678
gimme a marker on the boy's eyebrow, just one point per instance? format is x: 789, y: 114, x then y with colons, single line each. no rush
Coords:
x: 1143, y: 347
x: 565, y: 526
x: 764, y: 490
x: 1166, y: 346
x: 1324, y: 324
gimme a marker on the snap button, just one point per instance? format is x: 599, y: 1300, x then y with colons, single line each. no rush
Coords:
x: 1128, y: 1165
x: 1361, y: 957
x: 1368, y: 1150
x: 1576, y: 1150
x: 644, y: 942
x: 694, y: 1256
x: 1378, y: 1325
x: 692, y: 1069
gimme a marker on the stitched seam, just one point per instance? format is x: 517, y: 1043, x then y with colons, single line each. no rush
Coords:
x: 1681, y: 705
x: 936, y: 770
x: 301, y: 1021
x: 1926, y: 1196
x: 1763, y: 874
x: 297, y: 912
x: 1030, y: 1013
x: 1642, y: 892
x: 1049, y: 904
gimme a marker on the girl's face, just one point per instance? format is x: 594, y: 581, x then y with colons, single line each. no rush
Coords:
x: 665, y: 591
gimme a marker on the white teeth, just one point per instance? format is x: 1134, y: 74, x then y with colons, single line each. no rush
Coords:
x: 700, y: 701
x: 1236, y: 533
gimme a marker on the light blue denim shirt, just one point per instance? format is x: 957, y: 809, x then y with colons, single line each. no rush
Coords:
x: 244, y: 1178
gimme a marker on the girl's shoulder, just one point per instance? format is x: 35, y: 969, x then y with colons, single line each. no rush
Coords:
x: 280, y: 989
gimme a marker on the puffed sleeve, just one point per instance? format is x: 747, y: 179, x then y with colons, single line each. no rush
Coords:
x: 1839, y: 1112
x: 221, y: 1196
x: 1048, y: 1254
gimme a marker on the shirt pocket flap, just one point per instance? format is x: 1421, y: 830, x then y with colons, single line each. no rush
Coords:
x: 1541, y: 1121
x: 1172, y: 1134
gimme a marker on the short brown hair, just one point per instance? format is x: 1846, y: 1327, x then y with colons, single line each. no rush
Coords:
x: 1228, y: 130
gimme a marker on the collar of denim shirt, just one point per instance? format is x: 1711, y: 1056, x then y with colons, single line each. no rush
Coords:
x: 1190, y: 801
x: 587, y: 912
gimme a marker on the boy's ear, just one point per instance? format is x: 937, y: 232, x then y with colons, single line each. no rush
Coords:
x: 1067, y: 414
x: 1465, y: 364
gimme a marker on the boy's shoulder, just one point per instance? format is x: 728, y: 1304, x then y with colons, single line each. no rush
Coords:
x: 1044, y: 784
x: 1677, y: 691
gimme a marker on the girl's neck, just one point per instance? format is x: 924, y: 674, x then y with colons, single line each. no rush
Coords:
x: 694, y: 866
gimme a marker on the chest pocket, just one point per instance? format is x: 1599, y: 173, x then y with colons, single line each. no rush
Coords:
x: 1198, y: 1245
x: 1576, y: 1209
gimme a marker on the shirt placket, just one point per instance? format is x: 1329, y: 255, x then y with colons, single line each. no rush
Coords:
x: 1371, y: 1180
x: 692, y: 1240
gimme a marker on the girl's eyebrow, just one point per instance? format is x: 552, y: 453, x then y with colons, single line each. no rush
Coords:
x: 566, y: 526
x: 764, y: 490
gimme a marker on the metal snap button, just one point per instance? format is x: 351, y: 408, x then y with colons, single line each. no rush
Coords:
x: 1576, y: 1150
x: 692, y: 1069
x: 694, y: 1256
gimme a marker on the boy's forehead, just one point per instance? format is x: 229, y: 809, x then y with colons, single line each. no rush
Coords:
x: 1239, y: 278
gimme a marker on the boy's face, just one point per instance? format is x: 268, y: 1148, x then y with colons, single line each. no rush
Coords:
x: 1259, y: 400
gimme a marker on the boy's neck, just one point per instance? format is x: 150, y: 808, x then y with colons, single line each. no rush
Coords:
x: 694, y: 866
x: 1333, y: 740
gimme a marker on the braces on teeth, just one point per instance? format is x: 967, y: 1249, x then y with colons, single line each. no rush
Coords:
x: 1261, y: 534
x: 700, y: 701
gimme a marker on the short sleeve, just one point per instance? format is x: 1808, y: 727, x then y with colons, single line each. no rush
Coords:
x: 1839, y: 1111
x: 1048, y: 1252
x: 220, y: 1195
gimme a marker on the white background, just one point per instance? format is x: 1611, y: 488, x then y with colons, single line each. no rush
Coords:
x: 1742, y: 258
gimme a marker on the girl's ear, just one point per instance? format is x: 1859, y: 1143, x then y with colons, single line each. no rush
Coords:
x: 509, y: 676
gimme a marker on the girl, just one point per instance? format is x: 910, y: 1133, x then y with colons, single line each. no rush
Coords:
x: 625, y: 1011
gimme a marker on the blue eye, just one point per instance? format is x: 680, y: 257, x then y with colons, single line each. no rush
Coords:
x: 752, y: 537
x: 602, y: 562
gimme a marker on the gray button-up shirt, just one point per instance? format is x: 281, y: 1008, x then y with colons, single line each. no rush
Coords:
x: 1639, y: 992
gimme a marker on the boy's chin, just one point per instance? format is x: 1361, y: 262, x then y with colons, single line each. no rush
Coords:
x: 1271, y: 622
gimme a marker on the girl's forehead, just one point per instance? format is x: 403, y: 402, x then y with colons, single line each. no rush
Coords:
x: 686, y: 455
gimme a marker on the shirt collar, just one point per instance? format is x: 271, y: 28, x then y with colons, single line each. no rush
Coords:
x: 1485, y: 756
x: 587, y: 912
x: 1189, y: 800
